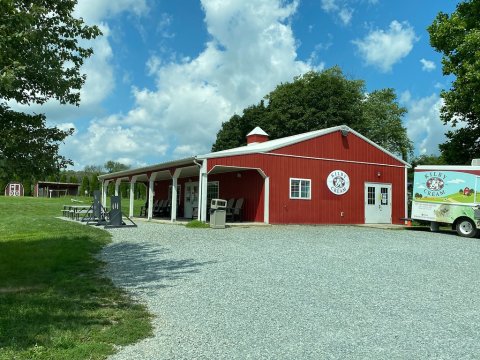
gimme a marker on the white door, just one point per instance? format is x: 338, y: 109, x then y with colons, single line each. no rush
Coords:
x: 191, y: 199
x: 378, y: 203
x: 14, y: 190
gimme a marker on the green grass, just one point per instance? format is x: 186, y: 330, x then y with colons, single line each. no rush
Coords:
x: 54, y: 302
x: 454, y: 198
x: 197, y: 225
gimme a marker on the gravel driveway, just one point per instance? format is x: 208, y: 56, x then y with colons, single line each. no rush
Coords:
x: 300, y: 292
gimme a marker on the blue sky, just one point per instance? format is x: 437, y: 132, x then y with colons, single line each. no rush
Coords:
x: 166, y: 73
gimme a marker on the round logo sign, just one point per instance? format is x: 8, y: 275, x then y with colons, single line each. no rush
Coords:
x: 435, y: 184
x: 338, y: 182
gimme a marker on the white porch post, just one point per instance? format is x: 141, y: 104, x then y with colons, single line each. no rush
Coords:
x: 203, y: 194
x: 266, y: 201
x: 117, y: 185
x: 176, y: 174
x: 406, y: 193
x: 132, y: 195
x: 151, y: 192
x: 104, y: 192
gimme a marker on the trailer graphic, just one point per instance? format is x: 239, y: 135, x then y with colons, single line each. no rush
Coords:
x: 448, y: 195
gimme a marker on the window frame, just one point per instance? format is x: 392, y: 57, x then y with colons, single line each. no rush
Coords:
x: 309, y: 181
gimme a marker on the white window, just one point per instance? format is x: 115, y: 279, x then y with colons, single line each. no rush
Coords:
x: 300, y: 189
x: 212, y: 191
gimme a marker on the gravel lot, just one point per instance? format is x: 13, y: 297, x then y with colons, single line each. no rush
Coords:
x: 300, y: 292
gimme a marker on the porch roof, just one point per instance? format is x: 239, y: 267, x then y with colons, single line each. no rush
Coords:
x: 148, y: 169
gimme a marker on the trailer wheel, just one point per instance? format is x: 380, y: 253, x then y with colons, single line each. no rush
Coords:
x: 466, y: 228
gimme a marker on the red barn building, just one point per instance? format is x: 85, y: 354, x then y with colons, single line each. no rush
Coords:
x: 14, y: 189
x: 329, y: 176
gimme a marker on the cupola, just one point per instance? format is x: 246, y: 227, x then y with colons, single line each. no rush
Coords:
x: 257, y: 135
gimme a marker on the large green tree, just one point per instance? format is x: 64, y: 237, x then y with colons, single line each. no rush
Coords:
x: 382, y: 122
x: 457, y: 37
x: 40, y: 59
x: 40, y: 55
x: 318, y: 100
x: 115, y: 166
x: 28, y: 147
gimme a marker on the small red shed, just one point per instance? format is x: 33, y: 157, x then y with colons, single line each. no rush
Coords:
x: 14, y: 189
x: 329, y: 176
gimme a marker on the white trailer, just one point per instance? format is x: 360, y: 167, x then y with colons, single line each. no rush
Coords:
x: 446, y: 194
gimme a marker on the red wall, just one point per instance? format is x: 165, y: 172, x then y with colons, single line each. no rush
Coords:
x: 249, y: 186
x: 336, y: 146
x: 324, y: 207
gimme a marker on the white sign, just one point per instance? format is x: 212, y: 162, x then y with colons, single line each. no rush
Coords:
x: 338, y: 182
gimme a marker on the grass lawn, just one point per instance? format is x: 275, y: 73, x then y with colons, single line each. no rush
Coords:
x: 54, y: 301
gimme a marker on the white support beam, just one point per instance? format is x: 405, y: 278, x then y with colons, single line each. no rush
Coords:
x: 203, y: 196
x: 176, y: 174
x: 117, y: 186
x: 151, y: 192
x: 266, y: 201
x: 132, y: 195
x: 406, y: 193
x: 104, y: 192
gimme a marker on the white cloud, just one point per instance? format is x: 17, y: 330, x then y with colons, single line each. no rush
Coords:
x: 108, y: 139
x: 66, y: 126
x: 428, y: 65
x: 456, y: 181
x: 329, y: 5
x: 93, y: 11
x: 346, y: 15
x: 251, y: 51
x: 340, y: 8
x: 384, y: 48
x: 98, y: 85
x: 423, y: 123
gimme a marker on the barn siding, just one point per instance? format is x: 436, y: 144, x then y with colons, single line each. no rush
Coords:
x: 249, y: 186
x: 324, y: 206
x: 336, y: 146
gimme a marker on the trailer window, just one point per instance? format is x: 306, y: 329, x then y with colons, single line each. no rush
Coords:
x: 300, y: 189
x: 371, y: 195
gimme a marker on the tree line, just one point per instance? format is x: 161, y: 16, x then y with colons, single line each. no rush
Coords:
x: 41, y: 58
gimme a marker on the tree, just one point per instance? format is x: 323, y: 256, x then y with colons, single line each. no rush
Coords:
x: 382, y: 122
x: 94, y: 183
x: 315, y: 100
x: 461, y: 147
x: 318, y: 100
x: 40, y: 59
x: 428, y: 160
x: 41, y: 55
x: 113, y: 166
x: 85, y: 187
x: 27, y: 186
x: 63, y: 177
x: 73, y: 179
x: 457, y: 37
x: 93, y: 169
x: 27, y: 147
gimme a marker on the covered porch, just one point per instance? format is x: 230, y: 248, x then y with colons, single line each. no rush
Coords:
x: 183, y: 190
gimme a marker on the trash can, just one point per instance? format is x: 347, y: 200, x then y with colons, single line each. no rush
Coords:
x: 218, y: 213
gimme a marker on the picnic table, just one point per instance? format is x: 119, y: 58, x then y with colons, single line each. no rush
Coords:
x: 74, y: 211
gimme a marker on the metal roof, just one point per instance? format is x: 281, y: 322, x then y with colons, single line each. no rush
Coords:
x: 150, y: 168
x: 263, y: 147
x: 257, y: 131
x: 270, y: 145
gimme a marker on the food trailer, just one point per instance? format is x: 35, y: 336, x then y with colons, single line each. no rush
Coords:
x: 446, y: 194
